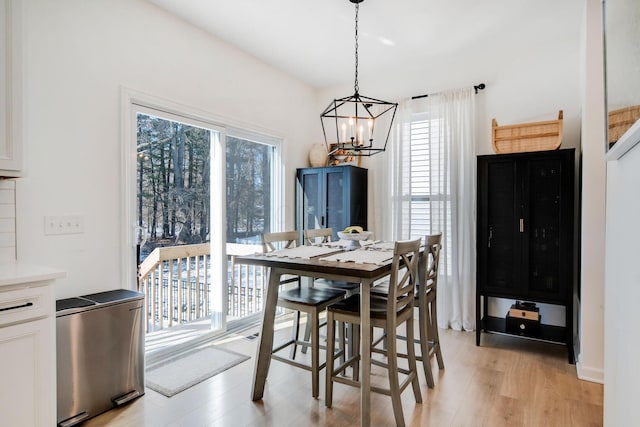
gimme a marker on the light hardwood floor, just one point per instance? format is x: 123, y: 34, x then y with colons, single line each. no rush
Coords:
x: 505, y: 382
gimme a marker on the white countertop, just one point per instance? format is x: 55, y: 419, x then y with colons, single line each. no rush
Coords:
x: 17, y: 273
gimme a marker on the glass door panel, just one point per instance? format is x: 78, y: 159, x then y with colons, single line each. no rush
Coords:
x: 312, y: 206
x: 336, y: 198
x: 250, y: 212
x: 174, y: 223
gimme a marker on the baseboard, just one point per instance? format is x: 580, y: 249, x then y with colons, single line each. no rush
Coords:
x: 587, y: 373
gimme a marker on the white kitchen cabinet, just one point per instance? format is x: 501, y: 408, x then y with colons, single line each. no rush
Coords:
x: 11, y: 141
x: 27, y: 346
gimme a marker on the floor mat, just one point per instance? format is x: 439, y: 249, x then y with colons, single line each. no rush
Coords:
x: 184, y: 371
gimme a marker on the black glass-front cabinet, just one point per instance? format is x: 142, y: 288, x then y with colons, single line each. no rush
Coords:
x: 525, y: 243
x: 331, y: 197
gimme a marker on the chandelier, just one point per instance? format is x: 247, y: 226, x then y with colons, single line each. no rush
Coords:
x: 351, y: 124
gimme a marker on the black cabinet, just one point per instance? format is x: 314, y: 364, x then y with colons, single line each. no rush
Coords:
x: 334, y: 197
x: 525, y: 243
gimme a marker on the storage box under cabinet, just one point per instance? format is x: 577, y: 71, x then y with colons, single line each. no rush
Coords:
x: 524, y: 311
x: 523, y: 326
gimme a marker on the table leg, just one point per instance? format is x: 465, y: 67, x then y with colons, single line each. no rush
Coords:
x: 365, y: 354
x: 263, y: 352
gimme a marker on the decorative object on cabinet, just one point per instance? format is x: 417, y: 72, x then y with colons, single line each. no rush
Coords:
x: 318, y: 155
x: 11, y: 87
x: 526, y: 137
x: 331, y: 198
x: 525, y: 243
x: 349, y: 123
x: 340, y: 157
x: 621, y: 120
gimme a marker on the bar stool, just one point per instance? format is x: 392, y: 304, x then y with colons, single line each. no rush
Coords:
x: 425, y: 300
x: 314, y: 236
x: 427, y: 312
x: 301, y: 299
x: 386, y: 313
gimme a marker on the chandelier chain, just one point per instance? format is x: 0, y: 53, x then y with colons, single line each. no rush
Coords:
x: 355, y: 85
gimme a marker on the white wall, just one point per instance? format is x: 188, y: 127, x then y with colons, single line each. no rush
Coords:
x: 622, y: 276
x: 78, y: 56
x: 622, y: 284
x: 590, y: 363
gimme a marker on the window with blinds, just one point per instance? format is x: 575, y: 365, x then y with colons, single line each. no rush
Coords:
x: 428, y: 196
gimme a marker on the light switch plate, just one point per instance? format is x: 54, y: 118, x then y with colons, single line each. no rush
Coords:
x: 63, y: 224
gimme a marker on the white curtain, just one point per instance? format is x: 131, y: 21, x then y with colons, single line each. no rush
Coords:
x: 445, y: 124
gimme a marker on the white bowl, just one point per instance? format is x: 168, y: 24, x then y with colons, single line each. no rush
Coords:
x: 354, y: 238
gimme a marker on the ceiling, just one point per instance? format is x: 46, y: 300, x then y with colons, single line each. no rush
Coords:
x: 314, y: 41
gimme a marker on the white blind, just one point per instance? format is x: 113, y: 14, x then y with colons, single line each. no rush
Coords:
x: 428, y: 196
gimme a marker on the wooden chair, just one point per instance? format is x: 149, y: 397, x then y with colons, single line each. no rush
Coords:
x: 425, y: 300
x: 301, y: 299
x: 325, y: 235
x: 426, y: 297
x: 314, y: 236
x: 389, y: 314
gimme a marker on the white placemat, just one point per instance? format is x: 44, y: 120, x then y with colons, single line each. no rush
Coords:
x: 381, y: 246
x: 303, y: 252
x: 361, y: 256
x: 345, y: 243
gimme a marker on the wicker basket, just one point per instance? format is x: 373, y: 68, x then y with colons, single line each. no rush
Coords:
x: 525, y: 137
x: 621, y: 120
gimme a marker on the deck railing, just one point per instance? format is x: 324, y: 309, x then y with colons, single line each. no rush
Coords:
x: 176, y: 281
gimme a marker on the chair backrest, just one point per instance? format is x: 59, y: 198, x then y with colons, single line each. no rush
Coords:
x: 318, y: 235
x: 431, y: 257
x: 403, y: 277
x: 279, y: 240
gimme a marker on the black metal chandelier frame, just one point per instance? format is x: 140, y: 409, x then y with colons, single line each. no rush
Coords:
x: 365, y: 111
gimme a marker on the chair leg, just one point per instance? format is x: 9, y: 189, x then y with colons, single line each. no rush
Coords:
x: 295, y: 335
x: 394, y: 384
x: 433, y: 331
x: 315, y: 353
x: 423, y: 318
x: 342, y: 341
x: 349, y: 345
x: 356, y: 350
x: 328, y: 398
x: 307, y: 333
x: 411, y: 353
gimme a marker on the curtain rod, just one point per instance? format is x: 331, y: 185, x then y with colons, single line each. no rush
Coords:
x: 481, y: 86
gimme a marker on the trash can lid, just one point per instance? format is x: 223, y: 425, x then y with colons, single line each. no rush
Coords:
x: 114, y: 295
x: 68, y: 303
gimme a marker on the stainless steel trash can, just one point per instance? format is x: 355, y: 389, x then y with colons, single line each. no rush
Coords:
x: 100, y: 353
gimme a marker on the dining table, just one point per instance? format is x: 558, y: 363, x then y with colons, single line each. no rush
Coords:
x: 364, y: 265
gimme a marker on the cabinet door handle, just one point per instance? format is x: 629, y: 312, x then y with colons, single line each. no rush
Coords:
x: 15, y: 307
x: 490, y: 237
x: 522, y: 225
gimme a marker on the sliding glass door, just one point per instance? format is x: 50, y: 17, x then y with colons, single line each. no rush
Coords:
x: 203, y: 194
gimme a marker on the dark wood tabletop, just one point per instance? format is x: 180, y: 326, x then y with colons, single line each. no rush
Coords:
x: 315, y: 265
